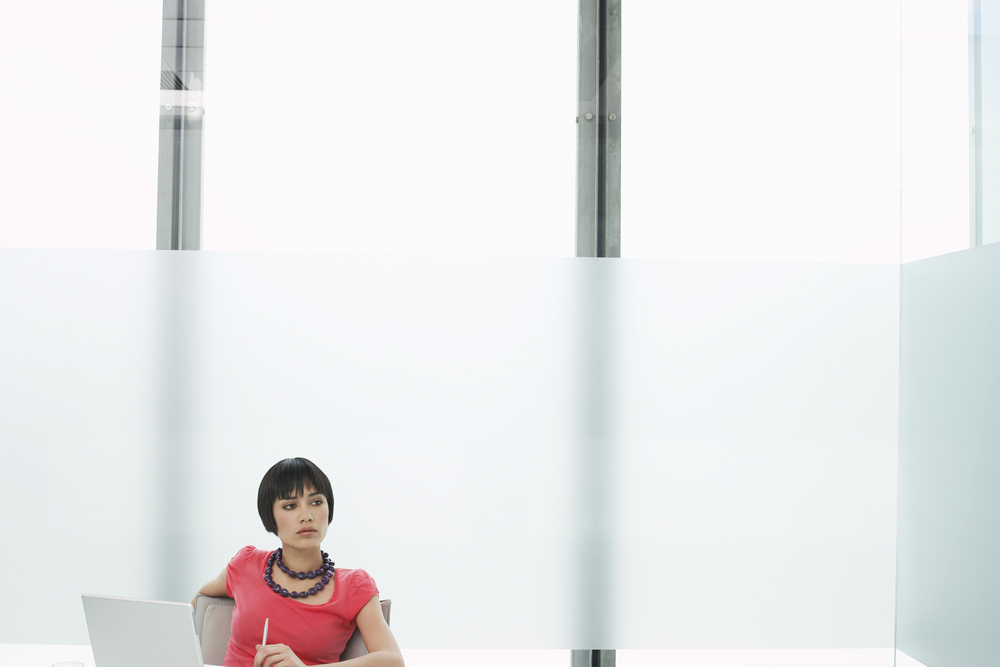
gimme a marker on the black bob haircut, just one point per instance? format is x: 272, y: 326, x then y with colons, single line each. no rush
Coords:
x: 288, y: 478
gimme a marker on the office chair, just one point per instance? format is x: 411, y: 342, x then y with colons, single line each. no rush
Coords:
x: 213, y: 618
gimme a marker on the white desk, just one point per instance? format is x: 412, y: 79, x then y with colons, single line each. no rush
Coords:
x: 41, y: 655
x: 45, y: 655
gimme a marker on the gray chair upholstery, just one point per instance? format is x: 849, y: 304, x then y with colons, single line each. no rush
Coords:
x: 213, y: 618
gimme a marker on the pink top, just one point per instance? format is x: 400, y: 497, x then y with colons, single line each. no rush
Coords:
x: 317, y: 633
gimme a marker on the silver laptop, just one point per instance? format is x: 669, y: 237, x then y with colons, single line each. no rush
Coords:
x: 141, y: 633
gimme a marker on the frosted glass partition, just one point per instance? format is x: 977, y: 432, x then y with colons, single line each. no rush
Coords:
x: 438, y: 394
x: 751, y: 132
x: 751, y: 423
x: 78, y: 369
x: 444, y: 127
x: 948, y: 602
x: 757, y: 420
x: 78, y: 163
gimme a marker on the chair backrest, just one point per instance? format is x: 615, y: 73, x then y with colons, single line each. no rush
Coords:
x: 213, y: 618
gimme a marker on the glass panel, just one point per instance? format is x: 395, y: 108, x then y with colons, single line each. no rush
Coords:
x: 756, y: 456
x: 78, y: 363
x: 752, y: 443
x: 949, y: 499
x: 437, y: 394
x: 78, y: 165
x: 391, y: 127
x: 751, y: 132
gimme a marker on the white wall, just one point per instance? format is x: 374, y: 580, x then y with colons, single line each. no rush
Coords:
x: 441, y: 128
x: 935, y: 128
x: 765, y: 131
x: 78, y: 165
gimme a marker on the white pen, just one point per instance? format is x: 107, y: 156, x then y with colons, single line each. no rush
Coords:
x: 265, y: 631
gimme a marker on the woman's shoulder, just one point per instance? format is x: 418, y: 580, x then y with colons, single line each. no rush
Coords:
x: 353, y: 573
x: 244, y: 564
x: 249, y: 554
x: 358, y: 579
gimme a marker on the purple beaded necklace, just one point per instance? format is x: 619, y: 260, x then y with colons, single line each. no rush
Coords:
x: 325, y: 572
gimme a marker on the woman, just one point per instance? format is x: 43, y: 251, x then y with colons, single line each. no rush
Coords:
x: 311, y: 607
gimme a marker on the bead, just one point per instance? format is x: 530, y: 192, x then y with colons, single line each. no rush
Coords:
x: 294, y: 594
x: 300, y: 575
x: 311, y: 575
x: 325, y: 580
x: 284, y: 592
x: 312, y: 591
x: 269, y: 570
x: 320, y: 586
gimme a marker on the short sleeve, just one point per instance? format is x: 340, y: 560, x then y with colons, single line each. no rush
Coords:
x: 236, y: 569
x: 362, y: 588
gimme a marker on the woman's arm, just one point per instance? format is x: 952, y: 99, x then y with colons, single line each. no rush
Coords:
x: 382, y: 648
x: 216, y: 588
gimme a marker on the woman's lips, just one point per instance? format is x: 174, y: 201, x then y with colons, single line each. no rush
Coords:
x: 307, y: 531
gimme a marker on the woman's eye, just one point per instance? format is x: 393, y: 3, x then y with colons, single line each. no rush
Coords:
x: 317, y: 502
x: 288, y: 507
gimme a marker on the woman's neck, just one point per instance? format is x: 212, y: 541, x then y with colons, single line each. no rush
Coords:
x: 301, y: 560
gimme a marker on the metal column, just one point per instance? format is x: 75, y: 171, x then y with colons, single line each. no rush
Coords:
x: 182, y: 70
x: 178, y: 227
x: 594, y: 658
x: 598, y: 234
x: 599, y: 137
x: 976, y: 212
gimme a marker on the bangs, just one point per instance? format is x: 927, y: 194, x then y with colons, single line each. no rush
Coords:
x: 293, y: 480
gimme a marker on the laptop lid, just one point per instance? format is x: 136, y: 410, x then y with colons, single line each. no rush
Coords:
x: 141, y: 633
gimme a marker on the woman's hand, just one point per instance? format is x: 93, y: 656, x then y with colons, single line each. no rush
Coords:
x: 276, y: 655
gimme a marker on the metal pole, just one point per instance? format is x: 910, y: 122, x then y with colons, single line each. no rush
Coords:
x: 178, y: 227
x: 598, y: 234
x: 976, y: 221
x: 592, y: 658
x: 598, y: 172
x: 182, y: 71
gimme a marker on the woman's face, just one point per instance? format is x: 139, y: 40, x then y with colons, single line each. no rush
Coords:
x: 302, y: 519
